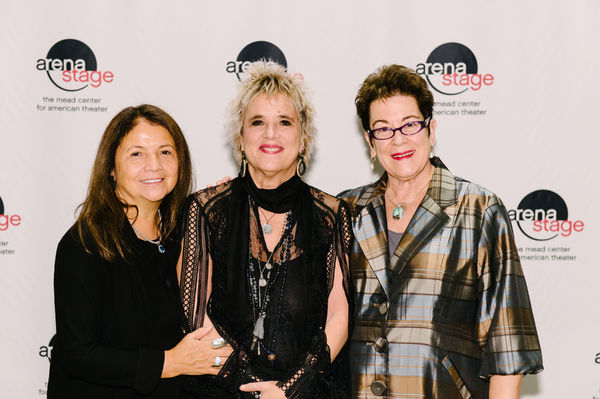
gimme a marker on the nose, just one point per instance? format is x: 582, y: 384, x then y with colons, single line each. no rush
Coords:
x: 270, y: 130
x: 398, y: 138
x: 153, y: 163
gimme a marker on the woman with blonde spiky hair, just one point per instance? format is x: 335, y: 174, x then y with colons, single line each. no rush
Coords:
x: 265, y: 256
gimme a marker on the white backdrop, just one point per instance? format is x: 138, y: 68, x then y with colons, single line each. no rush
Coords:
x: 530, y: 128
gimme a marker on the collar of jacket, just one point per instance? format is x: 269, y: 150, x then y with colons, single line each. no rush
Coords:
x: 370, y: 225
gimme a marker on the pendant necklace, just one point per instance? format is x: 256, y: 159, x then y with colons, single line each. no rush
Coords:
x: 267, y: 228
x: 400, y: 208
x: 260, y: 298
x: 161, y: 248
x: 262, y: 282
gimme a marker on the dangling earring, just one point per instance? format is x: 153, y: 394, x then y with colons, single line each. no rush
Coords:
x: 243, y: 165
x: 373, y: 158
x: 301, y: 165
x: 431, y: 153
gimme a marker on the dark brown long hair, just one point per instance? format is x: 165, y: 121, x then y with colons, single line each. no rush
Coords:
x: 100, y: 221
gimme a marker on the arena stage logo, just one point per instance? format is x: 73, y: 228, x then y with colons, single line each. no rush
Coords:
x: 71, y: 66
x: 7, y: 221
x: 256, y: 51
x: 452, y: 69
x: 542, y: 215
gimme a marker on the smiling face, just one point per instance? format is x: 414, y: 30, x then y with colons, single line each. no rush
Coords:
x: 271, y: 138
x: 146, y: 166
x: 402, y: 157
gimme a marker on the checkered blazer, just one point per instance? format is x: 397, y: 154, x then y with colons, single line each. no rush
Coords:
x: 450, y: 308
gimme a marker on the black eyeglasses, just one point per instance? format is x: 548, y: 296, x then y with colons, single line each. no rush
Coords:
x: 408, y: 129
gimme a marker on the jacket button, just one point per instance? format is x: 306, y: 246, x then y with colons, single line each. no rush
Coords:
x: 380, y: 344
x: 378, y: 388
x: 379, y: 303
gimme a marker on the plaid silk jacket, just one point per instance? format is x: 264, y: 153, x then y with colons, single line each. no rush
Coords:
x: 450, y: 308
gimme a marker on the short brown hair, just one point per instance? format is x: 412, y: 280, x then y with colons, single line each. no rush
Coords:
x: 389, y: 81
x: 101, y: 218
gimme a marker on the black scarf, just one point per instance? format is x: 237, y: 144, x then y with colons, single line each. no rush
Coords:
x: 278, y: 200
x: 293, y: 195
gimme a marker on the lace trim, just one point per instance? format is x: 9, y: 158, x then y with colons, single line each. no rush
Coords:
x: 317, y: 360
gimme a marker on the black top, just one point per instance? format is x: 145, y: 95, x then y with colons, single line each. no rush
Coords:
x: 301, y: 279
x: 113, y: 322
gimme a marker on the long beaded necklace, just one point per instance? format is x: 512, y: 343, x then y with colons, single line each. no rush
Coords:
x: 260, y: 298
x: 262, y: 282
x: 161, y: 248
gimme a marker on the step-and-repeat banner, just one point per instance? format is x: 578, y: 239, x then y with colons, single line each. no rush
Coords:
x: 516, y: 92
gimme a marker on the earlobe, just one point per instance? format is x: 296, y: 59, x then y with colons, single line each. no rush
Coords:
x: 370, y: 144
x: 432, y: 129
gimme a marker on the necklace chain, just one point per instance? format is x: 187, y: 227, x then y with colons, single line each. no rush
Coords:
x: 267, y: 228
x: 260, y: 299
x: 161, y: 248
x: 400, y: 208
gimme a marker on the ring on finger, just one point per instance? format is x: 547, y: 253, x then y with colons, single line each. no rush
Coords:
x: 217, y: 361
x: 218, y: 343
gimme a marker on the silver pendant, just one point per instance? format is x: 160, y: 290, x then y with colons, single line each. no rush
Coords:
x: 262, y: 282
x: 268, y: 266
x: 267, y: 228
x: 161, y: 249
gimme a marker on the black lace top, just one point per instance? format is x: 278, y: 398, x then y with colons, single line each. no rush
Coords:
x: 302, y: 278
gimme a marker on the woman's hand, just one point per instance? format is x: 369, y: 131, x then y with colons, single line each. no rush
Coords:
x: 267, y: 389
x: 194, y: 355
x: 220, y: 181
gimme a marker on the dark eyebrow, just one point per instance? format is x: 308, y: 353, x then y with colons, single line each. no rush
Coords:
x: 403, y: 119
x: 134, y: 146
x: 141, y: 147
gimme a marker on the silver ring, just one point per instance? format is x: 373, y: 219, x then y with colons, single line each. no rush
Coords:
x: 218, y: 343
x: 217, y: 361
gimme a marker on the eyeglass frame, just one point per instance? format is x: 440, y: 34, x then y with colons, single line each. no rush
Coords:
x: 423, y: 123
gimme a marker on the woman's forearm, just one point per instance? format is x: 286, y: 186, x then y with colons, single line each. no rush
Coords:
x: 505, y: 386
x: 336, y: 327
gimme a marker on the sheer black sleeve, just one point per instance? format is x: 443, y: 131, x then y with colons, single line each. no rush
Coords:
x: 194, y: 265
x: 318, y: 357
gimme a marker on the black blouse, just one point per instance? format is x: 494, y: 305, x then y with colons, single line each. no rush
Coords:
x: 297, y: 312
x: 113, y: 322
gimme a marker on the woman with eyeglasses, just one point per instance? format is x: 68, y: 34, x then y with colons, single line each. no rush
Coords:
x: 442, y: 305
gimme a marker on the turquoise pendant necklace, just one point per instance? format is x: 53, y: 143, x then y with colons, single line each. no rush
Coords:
x: 400, y: 208
x: 399, y: 211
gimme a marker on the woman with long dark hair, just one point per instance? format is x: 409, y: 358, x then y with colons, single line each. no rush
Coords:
x: 118, y: 320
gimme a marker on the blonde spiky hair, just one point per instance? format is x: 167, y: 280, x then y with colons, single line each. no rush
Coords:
x: 270, y: 78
